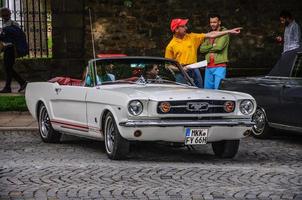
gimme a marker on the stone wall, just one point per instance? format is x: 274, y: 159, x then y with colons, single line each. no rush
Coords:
x: 141, y: 27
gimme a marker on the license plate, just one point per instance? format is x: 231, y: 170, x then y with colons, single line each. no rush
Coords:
x: 196, y: 136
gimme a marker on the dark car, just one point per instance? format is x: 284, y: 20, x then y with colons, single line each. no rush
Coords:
x: 278, y: 95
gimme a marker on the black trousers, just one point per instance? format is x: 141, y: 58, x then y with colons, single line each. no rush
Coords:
x: 9, y: 58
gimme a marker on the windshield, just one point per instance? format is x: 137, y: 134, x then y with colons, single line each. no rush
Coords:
x: 138, y: 71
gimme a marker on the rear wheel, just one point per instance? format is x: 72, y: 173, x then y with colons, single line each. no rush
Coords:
x: 261, y: 129
x: 116, y: 146
x: 47, y: 133
x: 226, y: 148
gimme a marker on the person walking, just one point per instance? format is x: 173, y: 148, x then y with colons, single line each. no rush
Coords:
x: 14, y: 44
x: 183, y: 46
x: 216, y: 50
x: 292, y: 32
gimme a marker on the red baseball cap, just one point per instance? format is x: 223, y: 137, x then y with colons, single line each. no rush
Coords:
x: 178, y: 22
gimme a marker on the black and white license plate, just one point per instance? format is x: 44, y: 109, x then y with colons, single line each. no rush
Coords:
x: 196, y: 136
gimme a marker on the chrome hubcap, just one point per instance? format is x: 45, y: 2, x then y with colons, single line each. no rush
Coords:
x: 260, y: 120
x: 44, y: 123
x: 109, y: 134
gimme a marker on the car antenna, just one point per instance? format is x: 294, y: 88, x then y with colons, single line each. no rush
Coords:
x: 92, y: 37
x: 92, y: 40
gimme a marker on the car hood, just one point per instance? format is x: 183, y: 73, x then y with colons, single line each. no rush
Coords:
x: 255, y: 79
x: 251, y: 78
x: 175, y: 92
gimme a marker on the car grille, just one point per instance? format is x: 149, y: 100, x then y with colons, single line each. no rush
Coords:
x: 194, y: 107
x: 191, y: 118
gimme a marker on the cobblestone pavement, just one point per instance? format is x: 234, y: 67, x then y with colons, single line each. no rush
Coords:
x: 79, y: 169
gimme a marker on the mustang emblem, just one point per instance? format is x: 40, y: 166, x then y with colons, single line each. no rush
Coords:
x: 197, y: 106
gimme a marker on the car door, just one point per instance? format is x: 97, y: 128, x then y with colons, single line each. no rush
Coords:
x: 292, y: 96
x: 267, y: 91
x: 69, y: 108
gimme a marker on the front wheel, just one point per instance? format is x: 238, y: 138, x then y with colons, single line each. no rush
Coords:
x: 47, y: 133
x: 226, y: 148
x: 116, y: 146
x: 260, y: 129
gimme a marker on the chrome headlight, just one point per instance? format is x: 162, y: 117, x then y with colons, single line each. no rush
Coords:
x: 246, y: 107
x: 135, y: 107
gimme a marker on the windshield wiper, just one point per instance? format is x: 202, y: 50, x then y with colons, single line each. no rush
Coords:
x: 117, y: 82
x: 160, y: 80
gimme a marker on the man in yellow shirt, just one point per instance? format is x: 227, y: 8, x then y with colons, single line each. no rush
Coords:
x: 183, y: 47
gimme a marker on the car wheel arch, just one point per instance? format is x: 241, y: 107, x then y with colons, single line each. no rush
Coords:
x: 47, y: 132
x: 263, y: 110
x: 116, y: 146
x: 115, y: 116
x: 38, y: 106
x: 264, y: 132
x: 102, y: 119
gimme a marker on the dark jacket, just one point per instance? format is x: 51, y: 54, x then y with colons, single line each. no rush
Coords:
x: 15, y: 35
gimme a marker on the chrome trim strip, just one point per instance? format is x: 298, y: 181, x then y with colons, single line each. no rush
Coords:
x: 199, y: 123
x: 285, y: 127
x: 185, y: 106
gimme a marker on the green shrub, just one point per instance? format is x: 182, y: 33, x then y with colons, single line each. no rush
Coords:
x: 12, y: 103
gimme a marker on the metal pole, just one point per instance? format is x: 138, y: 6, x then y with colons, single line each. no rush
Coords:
x: 34, y: 27
x: 21, y: 14
x: 15, y: 10
x: 27, y: 27
x: 46, y: 28
x: 40, y: 29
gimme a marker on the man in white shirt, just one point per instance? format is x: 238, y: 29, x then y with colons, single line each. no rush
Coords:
x: 292, y: 32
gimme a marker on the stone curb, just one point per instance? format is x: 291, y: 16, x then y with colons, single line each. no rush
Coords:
x: 15, y: 112
x: 19, y: 129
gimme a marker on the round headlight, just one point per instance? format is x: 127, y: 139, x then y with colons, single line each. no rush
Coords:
x: 246, y: 107
x: 135, y: 107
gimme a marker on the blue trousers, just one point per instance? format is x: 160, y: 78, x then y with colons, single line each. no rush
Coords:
x: 213, y: 76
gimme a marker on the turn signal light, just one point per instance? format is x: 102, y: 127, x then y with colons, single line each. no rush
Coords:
x: 165, y: 107
x: 137, y: 133
x: 229, y: 106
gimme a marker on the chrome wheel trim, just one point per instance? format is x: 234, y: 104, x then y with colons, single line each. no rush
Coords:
x: 260, y: 119
x: 109, y: 134
x: 44, y: 122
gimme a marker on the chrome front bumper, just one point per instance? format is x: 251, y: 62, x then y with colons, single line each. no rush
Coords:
x: 191, y: 123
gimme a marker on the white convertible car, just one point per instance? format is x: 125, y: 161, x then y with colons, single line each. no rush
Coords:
x: 125, y: 99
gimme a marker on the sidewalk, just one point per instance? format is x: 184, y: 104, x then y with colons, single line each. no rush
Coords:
x: 19, y: 121
x: 14, y: 120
